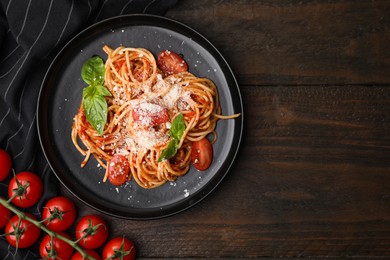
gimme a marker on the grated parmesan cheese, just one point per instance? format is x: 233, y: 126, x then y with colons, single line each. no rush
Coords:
x: 164, y: 94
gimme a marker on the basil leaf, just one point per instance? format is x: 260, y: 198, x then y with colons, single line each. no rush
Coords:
x: 92, y: 71
x: 176, y: 132
x: 95, y: 105
x: 95, y: 109
x: 170, y: 151
x: 178, y: 127
x: 89, y: 91
x: 103, y: 91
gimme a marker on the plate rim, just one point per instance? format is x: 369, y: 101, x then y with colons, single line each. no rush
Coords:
x: 238, y: 126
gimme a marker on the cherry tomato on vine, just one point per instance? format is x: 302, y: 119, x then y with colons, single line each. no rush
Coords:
x: 28, y: 188
x: 202, y: 154
x: 119, y: 248
x: 78, y: 256
x: 55, y: 248
x: 171, y: 63
x: 118, y: 169
x: 21, y: 233
x: 59, y: 213
x: 5, y: 215
x: 91, y: 231
x: 5, y: 164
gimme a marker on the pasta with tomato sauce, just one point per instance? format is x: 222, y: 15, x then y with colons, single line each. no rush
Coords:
x: 158, y: 118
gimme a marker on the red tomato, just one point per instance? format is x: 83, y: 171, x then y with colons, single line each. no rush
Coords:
x: 202, y: 154
x: 92, y: 231
x: 5, y: 215
x: 149, y: 114
x: 59, y: 213
x: 27, y: 232
x: 55, y: 249
x: 118, y: 169
x: 119, y: 248
x: 5, y: 164
x: 78, y: 256
x: 33, y: 189
x: 171, y: 63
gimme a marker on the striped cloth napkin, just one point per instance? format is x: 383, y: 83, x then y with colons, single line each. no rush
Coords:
x: 31, y: 34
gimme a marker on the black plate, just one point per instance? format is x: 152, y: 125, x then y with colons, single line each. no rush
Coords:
x: 60, y: 98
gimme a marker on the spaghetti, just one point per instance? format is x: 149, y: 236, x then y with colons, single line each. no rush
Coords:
x: 145, y: 102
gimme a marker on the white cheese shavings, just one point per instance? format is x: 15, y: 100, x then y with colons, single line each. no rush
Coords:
x: 138, y: 130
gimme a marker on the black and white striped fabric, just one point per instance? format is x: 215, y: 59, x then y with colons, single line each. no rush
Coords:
x: 31, y: 33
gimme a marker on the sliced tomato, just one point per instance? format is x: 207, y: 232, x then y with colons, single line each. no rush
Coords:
x: 202, y: 154
x: 149, y: 114
x: 118, y: 169
x: 171, y: 63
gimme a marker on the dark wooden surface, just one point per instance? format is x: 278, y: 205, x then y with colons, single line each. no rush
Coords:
x: 312, y: 178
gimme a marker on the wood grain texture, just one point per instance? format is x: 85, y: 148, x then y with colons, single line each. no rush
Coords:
x: 312, y: 178
x: 296, y: 42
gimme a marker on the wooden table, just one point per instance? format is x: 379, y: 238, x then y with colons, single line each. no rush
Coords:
x: 312, y: 178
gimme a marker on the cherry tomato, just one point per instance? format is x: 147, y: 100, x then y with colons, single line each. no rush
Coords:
x: 27, y: 232
x: 55, y: 249
x: 5, y: 215
x: 149, y: 114
x: 171, y: 63
x: 59, y: 213
x: 118, y: 169
x: 5, y: 164
x: 33, y: 189
x: 92, y: 230
x: 202, y: 154
x: 78, y: 256
x: 119, y: 248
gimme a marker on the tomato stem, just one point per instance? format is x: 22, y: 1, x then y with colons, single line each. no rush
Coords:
x: 21, y: 190
x: 121, y: 253
x: 54, y: 214
x: 89, y: 231
x: 7, y: 204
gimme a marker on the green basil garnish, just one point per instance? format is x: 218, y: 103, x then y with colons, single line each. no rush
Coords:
x: 95, y: 105
x: 176, y: 132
